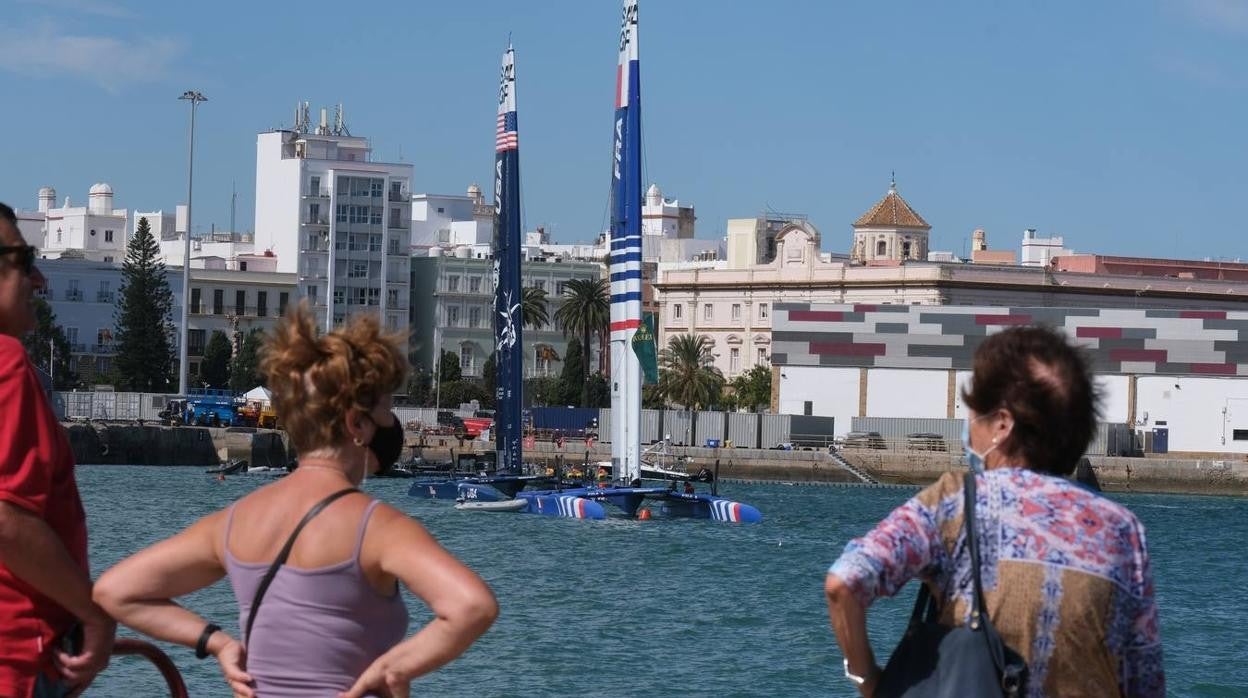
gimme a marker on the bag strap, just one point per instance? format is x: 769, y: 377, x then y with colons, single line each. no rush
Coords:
x: 284, y: 554
x: 972, y: 542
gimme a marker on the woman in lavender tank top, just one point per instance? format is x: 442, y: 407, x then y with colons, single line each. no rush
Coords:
x: 332, y: 621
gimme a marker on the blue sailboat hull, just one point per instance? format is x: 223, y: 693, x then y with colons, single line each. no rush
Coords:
x: 448, y: 487
x: 629, y: 500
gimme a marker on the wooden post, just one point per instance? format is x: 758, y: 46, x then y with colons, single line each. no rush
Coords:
x: 862, y: 391
x: 951, y: 397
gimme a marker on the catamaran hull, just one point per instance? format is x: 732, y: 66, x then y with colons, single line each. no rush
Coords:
x: 629, y: 500
x: 448, y: 488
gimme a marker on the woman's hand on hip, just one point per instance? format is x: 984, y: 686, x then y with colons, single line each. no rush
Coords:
x: 233, y: 660
x: 379, y: 679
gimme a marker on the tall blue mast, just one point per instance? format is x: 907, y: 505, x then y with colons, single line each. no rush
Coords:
x: 508, y: 324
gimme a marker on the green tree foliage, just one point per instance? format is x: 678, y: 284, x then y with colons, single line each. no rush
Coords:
x: 752, y: 389
x: 214, y: 370
x: 543, y: 391
x: 449, y: 371
x: 144, y: 322
x: 651, y: 397
x: 533, y: 307
x: 458, y: 392
x: 598, y: 391
x: 489, y: 380
x: 420, y: 387
x: 687, y: 372
x: 46, y: 341
x: 571, y: 379
x: 245, y: 371
x: 586, y: 311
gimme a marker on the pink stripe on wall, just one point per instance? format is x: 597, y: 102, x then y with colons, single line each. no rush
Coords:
x: 816, y: 316
x: 846, y: 349
x: 1137, y: 354
x: 1099, y: 332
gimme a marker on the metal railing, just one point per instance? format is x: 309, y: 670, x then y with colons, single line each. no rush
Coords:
x: 397, y: 196
x: 104, y: 297
x: 73, y: 294
x: 315, y: 220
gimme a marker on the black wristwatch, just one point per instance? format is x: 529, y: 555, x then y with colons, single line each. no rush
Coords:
x: 201, y: 647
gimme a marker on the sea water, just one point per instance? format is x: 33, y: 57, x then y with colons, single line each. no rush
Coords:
x: 679, y: 608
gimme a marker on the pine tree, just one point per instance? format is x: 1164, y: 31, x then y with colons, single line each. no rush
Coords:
x: 47, y: 340
x: 571, y: 378
x: 144, y: 319
x: 245, y: 371
x: 215, y: 368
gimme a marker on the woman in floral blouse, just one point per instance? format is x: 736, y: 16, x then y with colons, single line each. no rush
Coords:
x: 1065, y: 571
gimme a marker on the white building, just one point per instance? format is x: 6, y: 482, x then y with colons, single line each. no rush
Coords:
x: 1037, y: 251
x: 667, y: 230
x: 335, y: 218
x: 85, y: 295
x: 450, y: 220
x: 97, y: 230
x: 164, y: 226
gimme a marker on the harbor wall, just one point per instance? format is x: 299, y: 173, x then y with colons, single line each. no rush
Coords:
x: 115, y: 444
x: 1115, y: 474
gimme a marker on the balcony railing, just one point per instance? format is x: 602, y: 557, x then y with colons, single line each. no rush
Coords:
x: 398, y: 225
x: 246, y: 311
x: 317, y: 194
x: 73, y: 294
x: 322, y: 246
x: 104, y: 297
x: 315, y: 220
x: 103, y: 349
x: 398, y: 196
x: 77, y: 348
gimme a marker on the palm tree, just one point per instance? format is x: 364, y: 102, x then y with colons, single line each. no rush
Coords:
x: 687, y: 372
x: 586, y: 311
x: 533, y: 307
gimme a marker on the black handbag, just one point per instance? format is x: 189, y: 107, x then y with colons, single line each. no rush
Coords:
x: 968, y: 661
x: 284, y: 554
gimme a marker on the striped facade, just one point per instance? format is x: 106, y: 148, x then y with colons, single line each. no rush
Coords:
x: 1120, y: 341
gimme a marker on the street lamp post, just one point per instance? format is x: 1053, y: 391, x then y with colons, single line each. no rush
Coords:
x: 183, y: 361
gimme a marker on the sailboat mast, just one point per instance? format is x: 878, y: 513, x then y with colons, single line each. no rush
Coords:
x: 626, y: 257
x: 508, y: 324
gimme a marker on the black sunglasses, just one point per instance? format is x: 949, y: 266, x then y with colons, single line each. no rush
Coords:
x: 26, y: 255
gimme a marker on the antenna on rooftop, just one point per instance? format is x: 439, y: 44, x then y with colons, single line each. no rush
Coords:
x: 340, y: 123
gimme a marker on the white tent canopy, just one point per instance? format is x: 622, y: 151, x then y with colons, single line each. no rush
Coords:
x: 258, y: 394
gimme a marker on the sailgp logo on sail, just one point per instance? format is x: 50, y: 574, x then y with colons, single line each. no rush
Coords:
x: 506, y: 76
x: 627, y: 21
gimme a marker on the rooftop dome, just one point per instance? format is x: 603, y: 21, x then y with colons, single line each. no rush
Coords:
x: 47, y: 191
x: 101, y: 188
x: 473, y: 189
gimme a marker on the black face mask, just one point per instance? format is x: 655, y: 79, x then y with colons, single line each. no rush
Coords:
x: 387, y: 444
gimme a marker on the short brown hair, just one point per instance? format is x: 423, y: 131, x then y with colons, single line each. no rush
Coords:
x: 316, y: 379
x: 1045, y: 383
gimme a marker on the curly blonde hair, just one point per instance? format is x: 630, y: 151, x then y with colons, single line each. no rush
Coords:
x: 317, y: 379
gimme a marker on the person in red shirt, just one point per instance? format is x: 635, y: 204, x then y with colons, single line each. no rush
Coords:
x: 53, y: 638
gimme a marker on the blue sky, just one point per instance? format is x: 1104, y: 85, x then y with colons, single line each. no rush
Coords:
x: 1120, y: 124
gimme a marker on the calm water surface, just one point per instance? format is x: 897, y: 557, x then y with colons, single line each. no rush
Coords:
x: 625, y: 608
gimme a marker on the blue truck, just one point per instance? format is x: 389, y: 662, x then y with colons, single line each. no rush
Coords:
x: 210, y: 407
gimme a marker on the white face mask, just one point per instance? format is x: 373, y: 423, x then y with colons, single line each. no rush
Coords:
x: 974, y: 459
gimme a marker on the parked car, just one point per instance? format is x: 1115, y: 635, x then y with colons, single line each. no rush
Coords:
x: 926, y: 441
x: 863, y: 440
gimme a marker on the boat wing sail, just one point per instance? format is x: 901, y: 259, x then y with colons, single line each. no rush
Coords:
x: 508, y: 317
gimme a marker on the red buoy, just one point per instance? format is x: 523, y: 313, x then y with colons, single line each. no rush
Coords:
x: 643, y: 515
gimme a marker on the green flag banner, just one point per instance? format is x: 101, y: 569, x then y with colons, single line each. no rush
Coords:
x: 643, y: 347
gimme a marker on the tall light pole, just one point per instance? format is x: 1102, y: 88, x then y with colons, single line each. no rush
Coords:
x: 183, y: 361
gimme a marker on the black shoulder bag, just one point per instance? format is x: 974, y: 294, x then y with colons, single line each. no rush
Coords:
x: 969, y: 660
x: 285, y: 553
